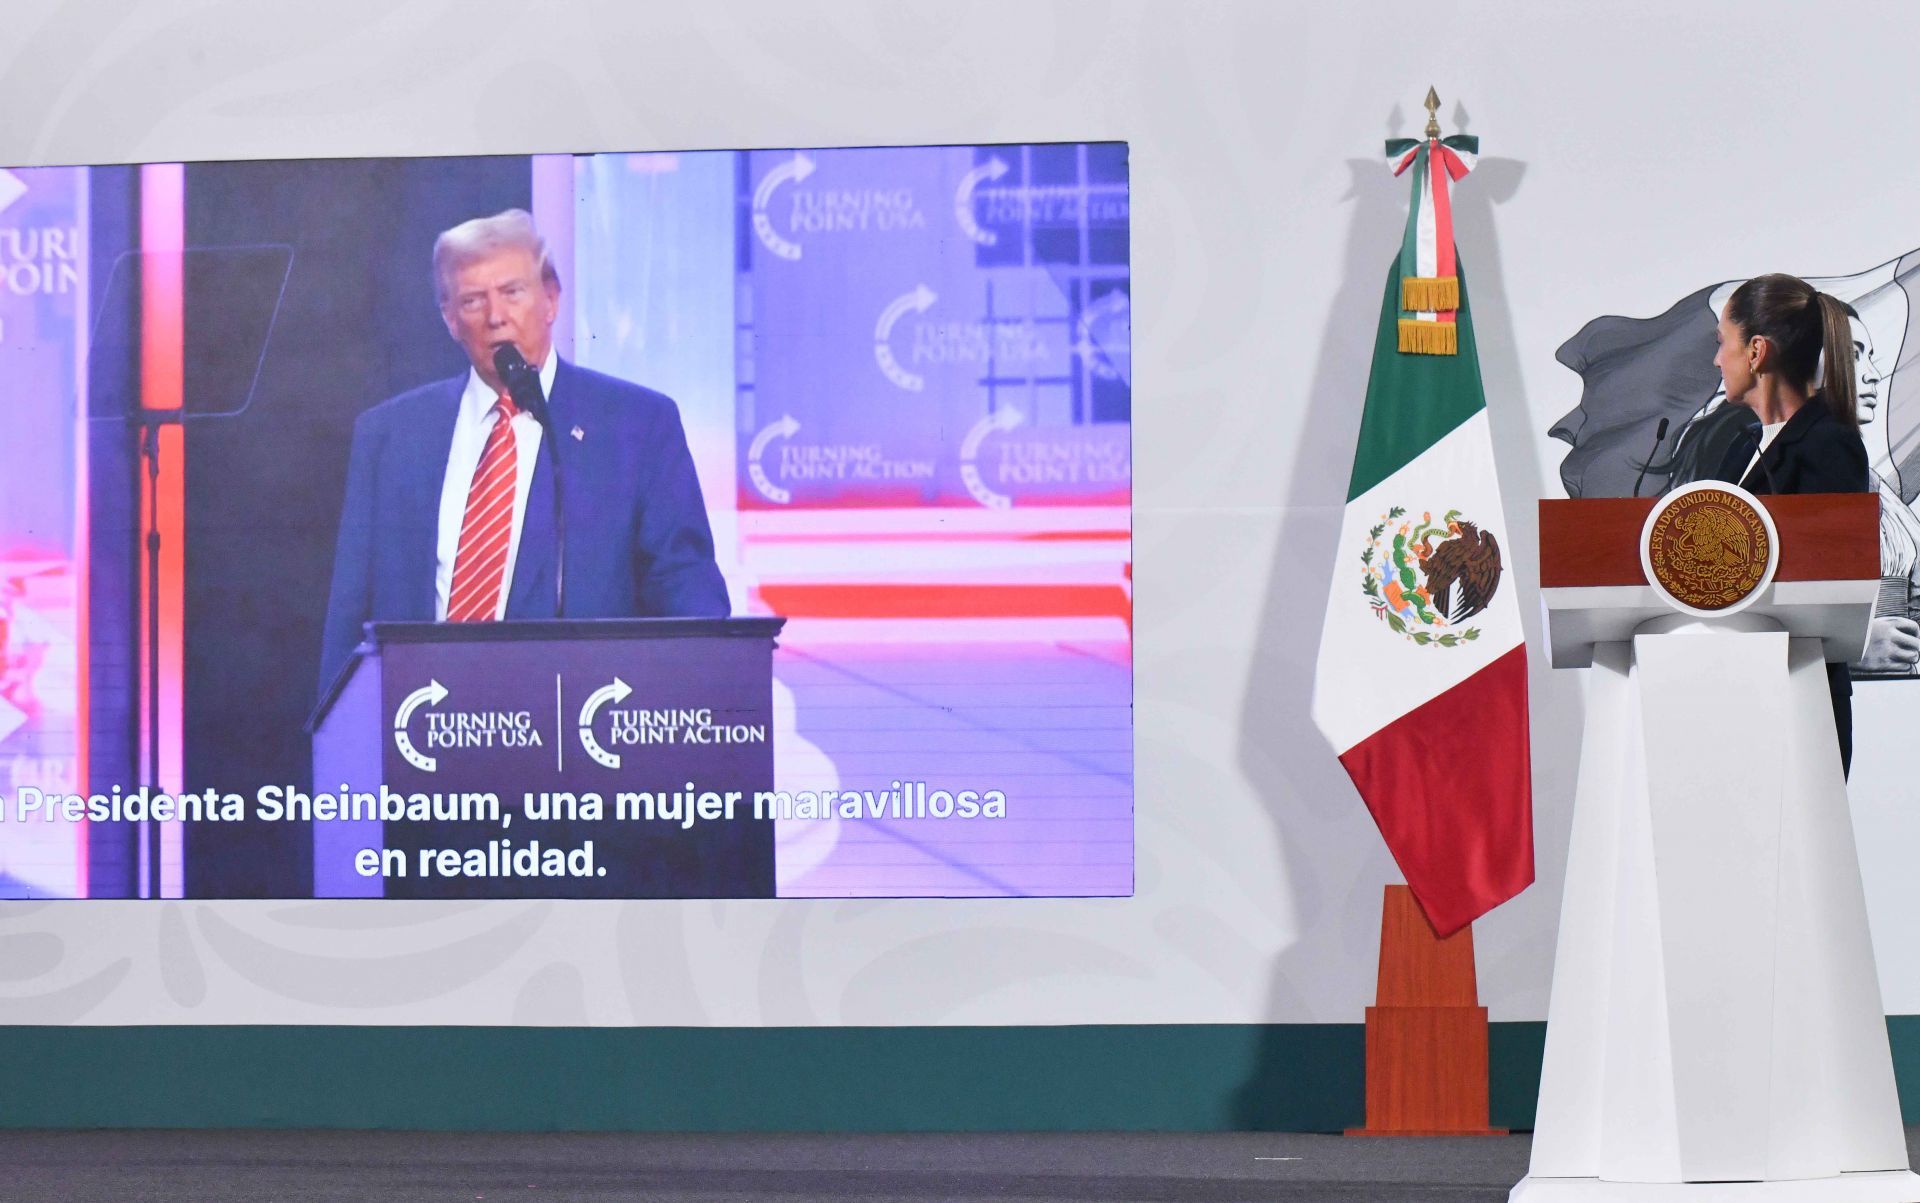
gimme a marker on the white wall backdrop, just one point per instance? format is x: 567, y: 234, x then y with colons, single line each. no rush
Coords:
x: 1632, y: 153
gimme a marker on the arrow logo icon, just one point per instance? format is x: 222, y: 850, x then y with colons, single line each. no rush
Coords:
x: 1112, y: 315
x: 12, y: 718
x: 432, y: 694
x: 920, y: 299
x: 12, y: 188
x: 992, y: 169
x: 617, y: 692
x: 999, y: 421
x: 783, y: 429
x: 795, y: 169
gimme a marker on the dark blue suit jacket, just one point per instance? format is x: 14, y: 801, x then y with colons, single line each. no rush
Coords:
x: 1813, y: 453
x: 638, y: 543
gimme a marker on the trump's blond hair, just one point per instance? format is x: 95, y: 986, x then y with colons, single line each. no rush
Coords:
x: 472, y: 241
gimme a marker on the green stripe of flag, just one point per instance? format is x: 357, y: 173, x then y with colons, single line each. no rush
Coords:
x: 1412, y: 400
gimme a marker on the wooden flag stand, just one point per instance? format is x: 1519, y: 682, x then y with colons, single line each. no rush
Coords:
x: 1426, y: 1033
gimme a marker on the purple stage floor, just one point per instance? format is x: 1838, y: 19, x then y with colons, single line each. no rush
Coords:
x: 1050, y: 725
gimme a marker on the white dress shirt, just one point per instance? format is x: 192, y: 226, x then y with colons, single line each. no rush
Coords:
x: 1767, y: 434
x: 470, y: 430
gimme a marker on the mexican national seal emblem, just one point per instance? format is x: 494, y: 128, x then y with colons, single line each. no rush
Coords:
x: 1708, y: 547
x: 1425, y: 579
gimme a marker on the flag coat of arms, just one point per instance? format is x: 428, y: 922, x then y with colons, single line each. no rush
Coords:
x: 1421, y: 684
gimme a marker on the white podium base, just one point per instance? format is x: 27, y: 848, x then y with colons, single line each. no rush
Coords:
x: 1887, y: 1186
x: 1715, y: 1029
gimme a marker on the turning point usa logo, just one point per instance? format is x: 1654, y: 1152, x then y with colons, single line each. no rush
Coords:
x: 456, y: 729
x: 786, y: 208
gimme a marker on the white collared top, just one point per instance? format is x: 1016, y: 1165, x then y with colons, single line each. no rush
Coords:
x: 470, y: 429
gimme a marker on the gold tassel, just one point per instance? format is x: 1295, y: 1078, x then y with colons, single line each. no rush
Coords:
x: 1429, y: 294
x: 1428, y: 338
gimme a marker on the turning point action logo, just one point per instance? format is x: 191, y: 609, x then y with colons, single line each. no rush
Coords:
x: 821, y: 463
x: 644, y: 726
x: 1031, y: 204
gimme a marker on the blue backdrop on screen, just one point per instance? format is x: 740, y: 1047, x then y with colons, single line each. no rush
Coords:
x: 936, y: 326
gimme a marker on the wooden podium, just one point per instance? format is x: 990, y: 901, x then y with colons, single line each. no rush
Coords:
x: 1715, y: 1030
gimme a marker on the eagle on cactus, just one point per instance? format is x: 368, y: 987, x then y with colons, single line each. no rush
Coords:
x: 1425, y: 578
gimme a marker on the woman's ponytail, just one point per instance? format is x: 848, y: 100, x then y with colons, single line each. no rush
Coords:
x: 1836, y: 383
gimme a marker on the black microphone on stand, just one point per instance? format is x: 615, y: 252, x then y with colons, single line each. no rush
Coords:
x: 1659, y: 436
x: 523, y: 385
x: 522, y: 381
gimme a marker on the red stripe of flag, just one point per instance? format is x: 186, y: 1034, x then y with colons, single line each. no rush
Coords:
x: 1449, y: 786
x: 1442, y: 209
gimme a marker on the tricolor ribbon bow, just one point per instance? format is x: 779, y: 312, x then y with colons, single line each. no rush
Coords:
x: 1429, y: 273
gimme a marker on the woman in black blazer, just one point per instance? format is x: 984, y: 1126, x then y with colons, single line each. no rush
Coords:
x: 1786, y: 352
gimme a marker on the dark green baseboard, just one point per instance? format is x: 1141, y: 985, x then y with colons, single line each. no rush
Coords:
x: 1146, y: 1077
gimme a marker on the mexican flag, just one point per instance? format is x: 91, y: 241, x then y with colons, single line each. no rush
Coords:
x: 1421, y: 685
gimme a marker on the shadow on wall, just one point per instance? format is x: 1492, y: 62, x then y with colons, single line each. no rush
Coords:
x: 1331, y: 857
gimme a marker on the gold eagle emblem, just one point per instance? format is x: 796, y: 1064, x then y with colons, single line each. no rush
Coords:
x: 1708, y: 548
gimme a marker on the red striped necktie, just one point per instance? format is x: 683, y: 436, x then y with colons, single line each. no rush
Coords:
x: 480, y: 561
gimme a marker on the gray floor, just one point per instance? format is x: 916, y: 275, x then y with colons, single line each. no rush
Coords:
x: 430, y: 1167
x: 215, y: 1167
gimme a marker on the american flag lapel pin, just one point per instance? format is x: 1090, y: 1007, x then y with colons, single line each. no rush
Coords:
x: 579, y: 435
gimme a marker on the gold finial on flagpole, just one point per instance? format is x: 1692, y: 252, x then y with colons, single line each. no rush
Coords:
x: 1433, y: 108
